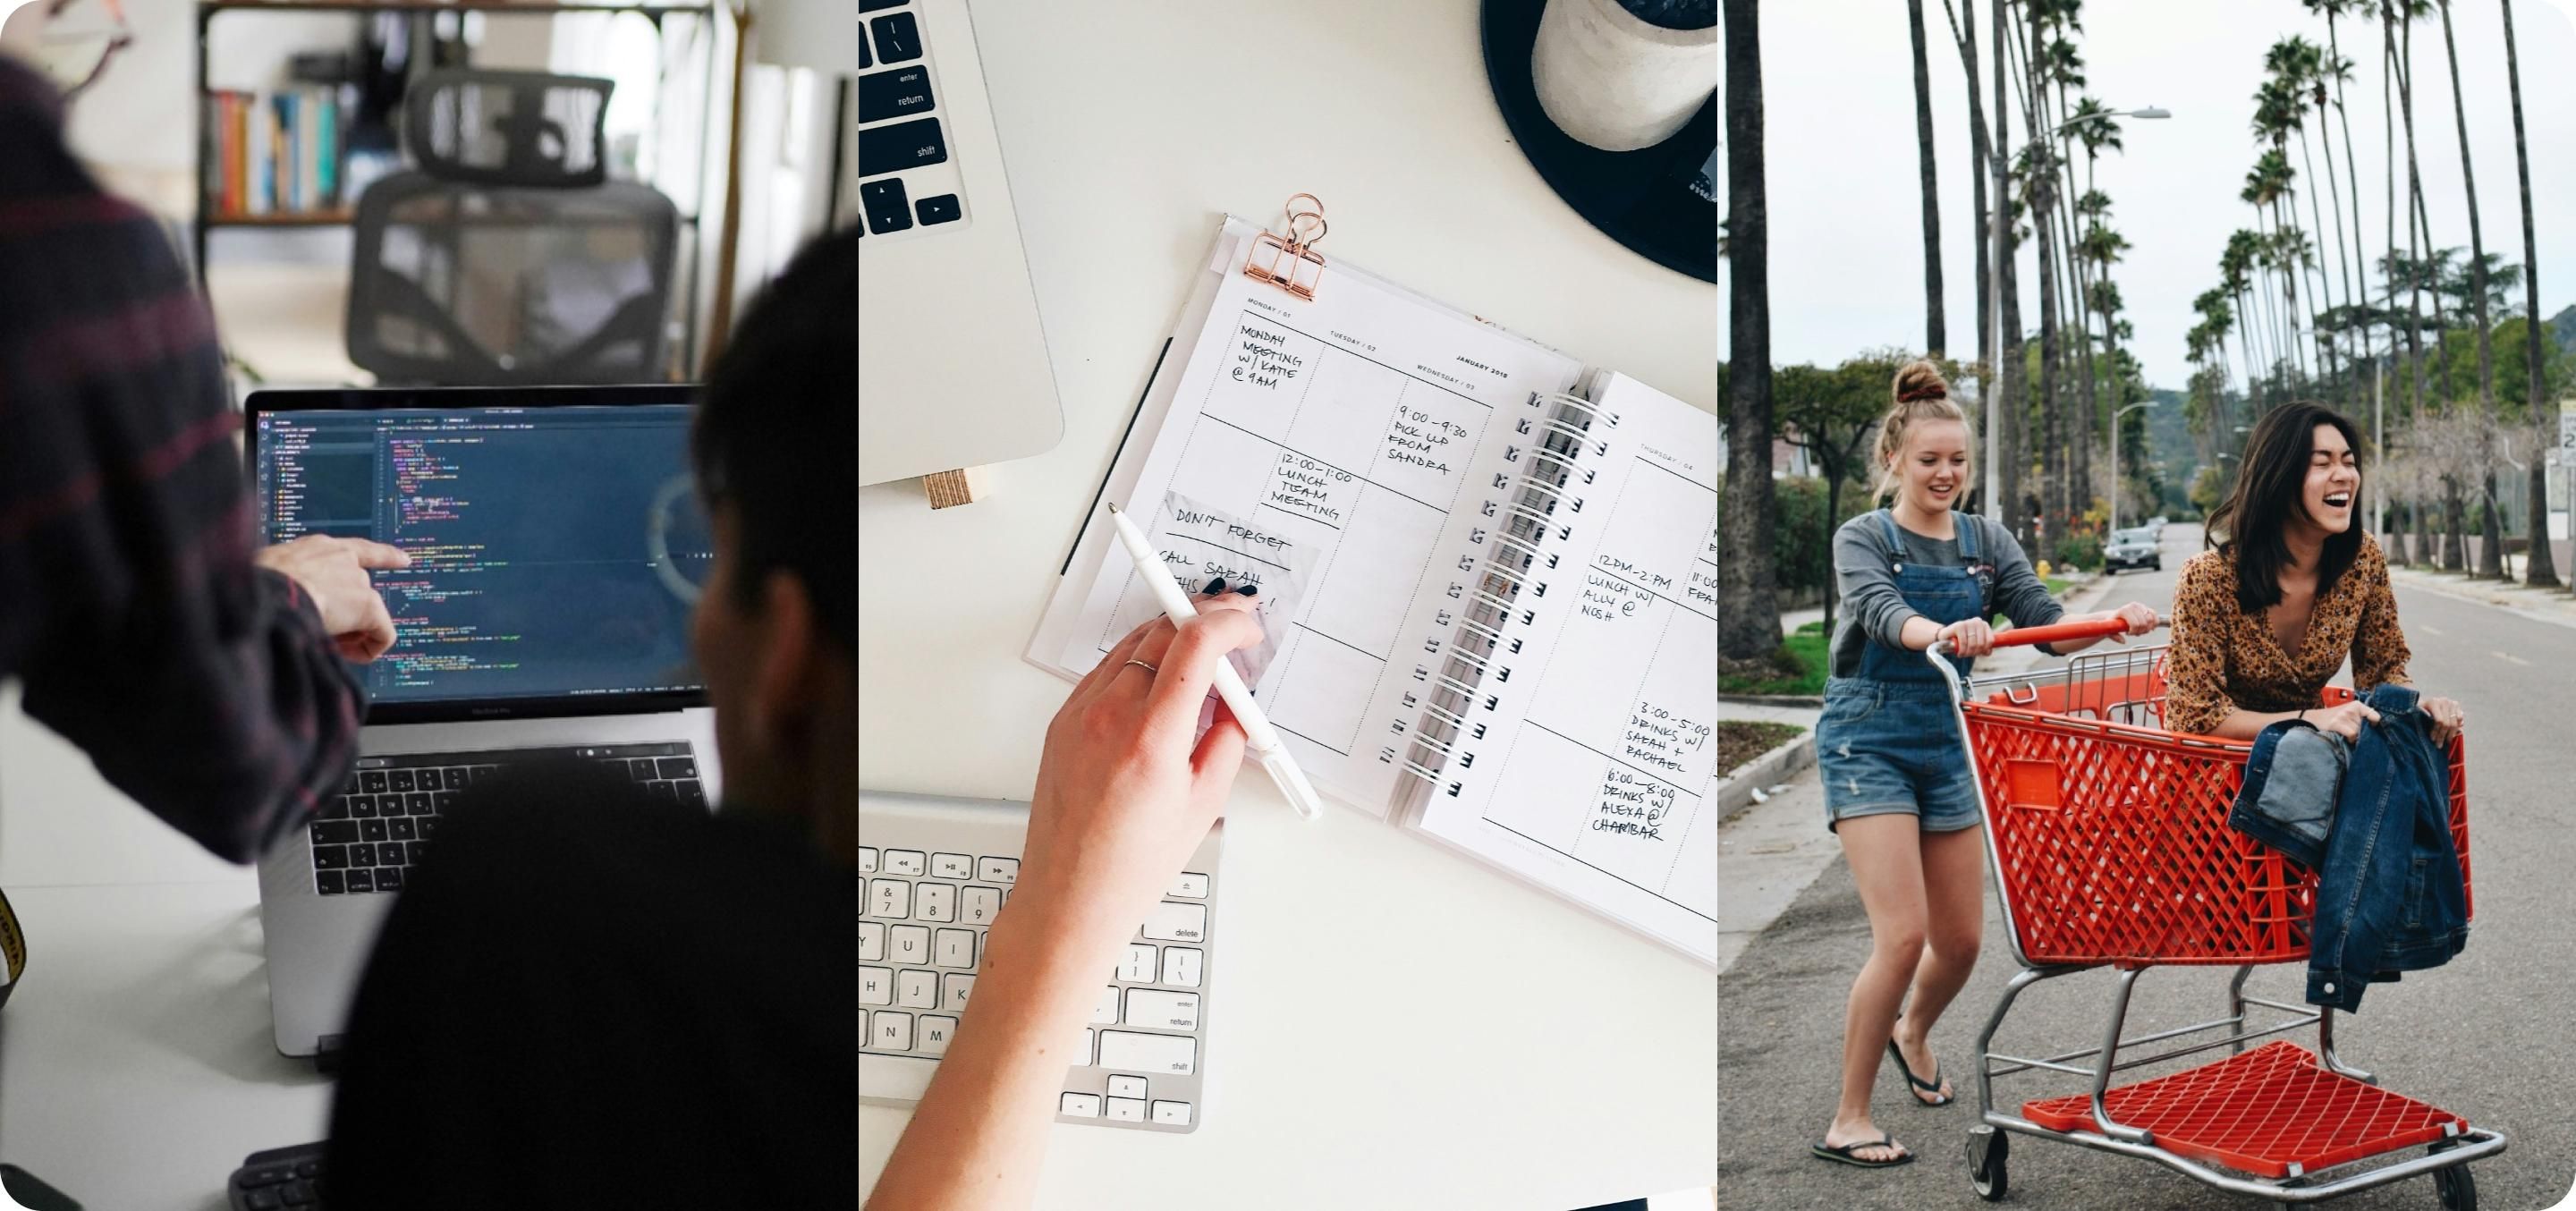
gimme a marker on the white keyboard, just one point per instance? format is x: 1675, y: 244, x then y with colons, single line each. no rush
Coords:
x: 934, y: 873
x: 909, y: 183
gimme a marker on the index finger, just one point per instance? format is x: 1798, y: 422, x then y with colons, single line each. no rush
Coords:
x: 1189, y: 668
x: 377, y: 555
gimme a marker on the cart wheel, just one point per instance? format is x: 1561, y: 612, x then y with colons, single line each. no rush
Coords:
x: 2459, y: 1191
x: 1987, y: 1150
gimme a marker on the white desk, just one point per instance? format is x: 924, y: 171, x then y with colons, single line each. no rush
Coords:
x: 136, y: 1062
x: 1512, y: 1052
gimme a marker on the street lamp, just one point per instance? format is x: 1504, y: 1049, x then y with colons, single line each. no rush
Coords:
x: 2115, y: 458
x: 1995, y: 240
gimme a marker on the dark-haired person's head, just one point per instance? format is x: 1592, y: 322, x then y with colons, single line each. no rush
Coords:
x: 776, y: 630
x: 2300, y: 480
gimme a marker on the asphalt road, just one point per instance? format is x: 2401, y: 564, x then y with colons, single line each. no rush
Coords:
x: 2486, y: 1036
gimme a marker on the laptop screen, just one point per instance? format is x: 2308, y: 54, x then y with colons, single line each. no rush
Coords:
x: 555, y: 550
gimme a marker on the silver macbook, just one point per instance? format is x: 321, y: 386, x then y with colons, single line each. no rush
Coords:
x: 953, y: 368
x: 557, y: 543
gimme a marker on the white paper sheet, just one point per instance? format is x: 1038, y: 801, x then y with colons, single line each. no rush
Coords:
x: 1601, y: 782
x: 1356, y: 426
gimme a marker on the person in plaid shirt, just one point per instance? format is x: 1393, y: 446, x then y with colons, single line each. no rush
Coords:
x: 206, y: 678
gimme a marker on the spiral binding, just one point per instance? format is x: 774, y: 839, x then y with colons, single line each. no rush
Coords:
x: 1493, y: 603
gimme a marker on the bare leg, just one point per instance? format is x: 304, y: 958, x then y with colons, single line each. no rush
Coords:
x: 1886, y: 859
x: 1954, y: 888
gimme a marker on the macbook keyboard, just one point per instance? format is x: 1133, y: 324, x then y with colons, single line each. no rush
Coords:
x: 367, y: 837
x: 908, y: 179
x: 924, y: 918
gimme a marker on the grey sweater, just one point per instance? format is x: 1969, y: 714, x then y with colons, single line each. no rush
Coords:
x: 1871, y: 607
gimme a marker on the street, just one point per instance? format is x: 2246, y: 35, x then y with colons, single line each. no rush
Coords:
x: 2485, y: 1036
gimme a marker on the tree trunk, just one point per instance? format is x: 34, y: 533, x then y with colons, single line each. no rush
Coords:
x: 2415, y: 253
x: 2455, y: 553
x: 2015, y: 456
x: 2491, y: 555
x: 2541, y: 570
x: 1934, y: 340
x: 2343, y: 256
x: 1963, y: 32
x: 2410, y: 549
x: 1749, y: 607
x: 2054, y: 491
x: 2352, y: 177
x: 2324, y: 295
x: 2080, y: 472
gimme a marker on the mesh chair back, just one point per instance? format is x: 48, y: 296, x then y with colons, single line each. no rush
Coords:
x: 494, y: 264
x: 509, y: 127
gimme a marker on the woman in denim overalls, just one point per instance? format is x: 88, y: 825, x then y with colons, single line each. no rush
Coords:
x: 1897, y: 787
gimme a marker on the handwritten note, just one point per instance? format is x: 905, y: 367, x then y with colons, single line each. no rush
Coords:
x: 1657, y: 738
x: 1262, y: 357
x: 1632, y: 805
x: 1610, y: 599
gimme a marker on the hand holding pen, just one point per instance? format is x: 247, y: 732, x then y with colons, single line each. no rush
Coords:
x: 1123, y: 794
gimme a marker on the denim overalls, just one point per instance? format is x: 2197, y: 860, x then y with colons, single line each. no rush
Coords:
x: 1889, y: 740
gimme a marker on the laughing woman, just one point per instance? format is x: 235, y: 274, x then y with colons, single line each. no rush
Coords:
x: 1897, y: 788
x: 2293, y: 588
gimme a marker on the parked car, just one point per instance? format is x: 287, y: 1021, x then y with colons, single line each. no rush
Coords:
x: 2133, y: 549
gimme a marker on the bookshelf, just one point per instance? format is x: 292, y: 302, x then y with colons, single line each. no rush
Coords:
x: 211, y: 216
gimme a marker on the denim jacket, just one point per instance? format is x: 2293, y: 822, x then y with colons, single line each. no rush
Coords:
x: 2390, y: 897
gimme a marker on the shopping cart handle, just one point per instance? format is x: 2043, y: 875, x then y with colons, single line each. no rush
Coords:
x: 2055, y: 631
x: 2051, y: 633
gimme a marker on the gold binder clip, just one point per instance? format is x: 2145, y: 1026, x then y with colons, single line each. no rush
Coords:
x: 1292, y: 264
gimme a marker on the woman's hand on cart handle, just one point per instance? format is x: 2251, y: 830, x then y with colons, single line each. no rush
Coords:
x: 2138, y: 617
x: 1966, y: 637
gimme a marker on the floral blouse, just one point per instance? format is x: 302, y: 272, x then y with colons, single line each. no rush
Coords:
x: 2223, y: 658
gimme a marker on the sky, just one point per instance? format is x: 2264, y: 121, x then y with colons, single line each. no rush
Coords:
x: 1845, y: 199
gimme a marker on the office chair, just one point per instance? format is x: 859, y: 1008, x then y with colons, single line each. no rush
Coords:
x: 508, y: 256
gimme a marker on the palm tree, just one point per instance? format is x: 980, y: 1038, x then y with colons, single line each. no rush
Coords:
x: 2541, y: 569
x: 2007, y: 298
x: 2491, y: 552
x: 2339, y: 70
x: 2393, y: 89
x: 2294, y: 62
x: 1964, y: 35
x: 2097, y: 134
x: 1933, y: 337
x: 2038, y: 177
x: 2235, y: 268
x: 1749, y: 611
x: 2216, y: 317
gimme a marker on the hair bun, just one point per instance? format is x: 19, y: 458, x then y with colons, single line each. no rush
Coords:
x: 1920, y: 380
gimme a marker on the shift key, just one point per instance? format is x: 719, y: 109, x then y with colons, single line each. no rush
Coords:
x: 913, y: 144
x: 1158, y: 1054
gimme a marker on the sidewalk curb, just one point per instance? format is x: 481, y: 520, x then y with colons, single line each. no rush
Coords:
x: 1810, y: 701
x: 1771, y: 767
x: 2545, y: 605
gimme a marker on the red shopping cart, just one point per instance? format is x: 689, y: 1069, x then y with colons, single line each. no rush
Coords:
x: 2107, y: 837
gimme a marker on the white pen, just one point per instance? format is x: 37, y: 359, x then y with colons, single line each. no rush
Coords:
x: 1261, y: 740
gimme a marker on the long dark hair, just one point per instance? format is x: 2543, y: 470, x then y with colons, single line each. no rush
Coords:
x: 2267, y: 496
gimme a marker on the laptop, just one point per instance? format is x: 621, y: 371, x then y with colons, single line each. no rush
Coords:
x: 953, y: 369
x: 557, y: 543
x: 933, y: 873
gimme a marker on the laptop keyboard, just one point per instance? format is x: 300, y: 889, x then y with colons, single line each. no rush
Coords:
x: 908, y: 181
x: 924, y: 918
x: 366, y: 838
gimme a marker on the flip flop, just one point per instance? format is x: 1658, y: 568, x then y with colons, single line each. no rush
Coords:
x: 1843, y: 1154
x: 1932, y: 1086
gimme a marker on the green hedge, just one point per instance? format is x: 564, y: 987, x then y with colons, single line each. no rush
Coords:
x: 1802, y: 545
